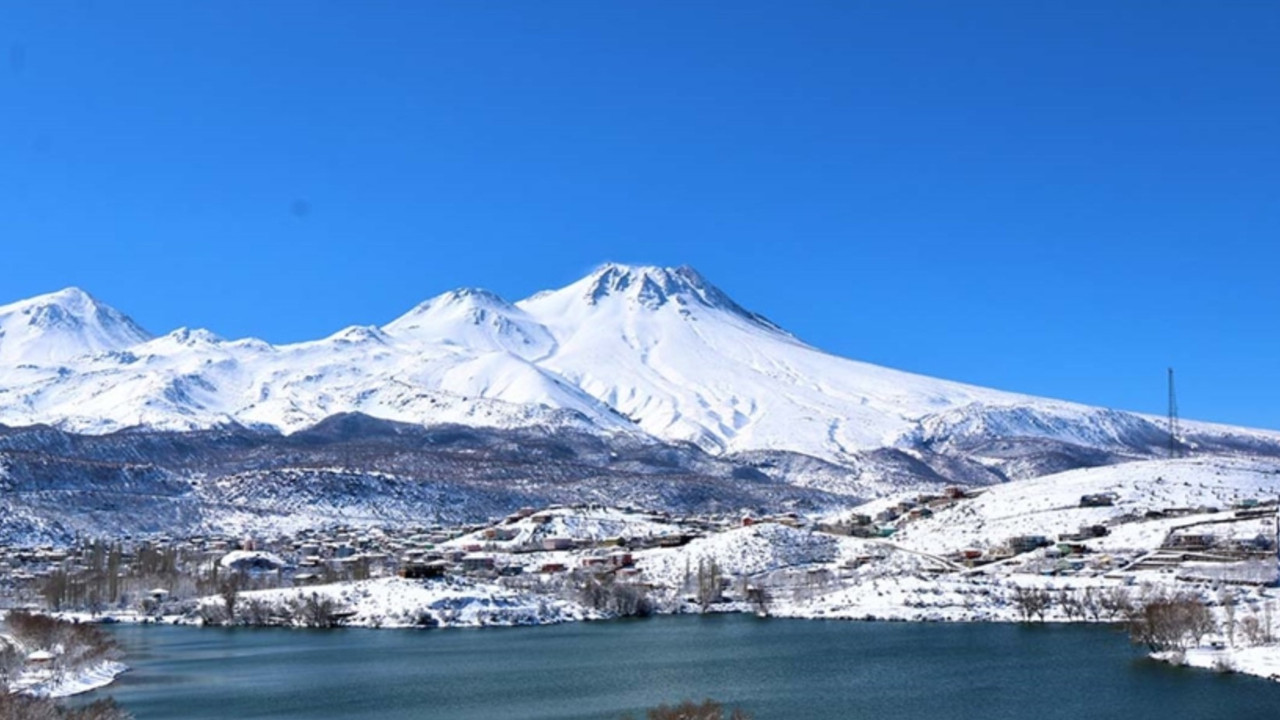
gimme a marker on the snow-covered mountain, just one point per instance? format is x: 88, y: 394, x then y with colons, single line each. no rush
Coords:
x: 636, y: 351
x: 58, y: 327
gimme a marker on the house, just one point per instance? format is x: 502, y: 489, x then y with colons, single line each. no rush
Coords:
x: 40, y: 657
x: 835, y: 528
x: 251, y: 561
x: 477, y: 562
x: 1098, y: 500
x: 557, y: 543
x: 501, y: 534
x: 1026, y: 543
x: 1072, y: 548
x: 886, y: 515
x: 423, y: 570
x: 1191, y: 541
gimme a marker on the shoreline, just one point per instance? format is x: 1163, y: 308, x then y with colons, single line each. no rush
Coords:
x: 1262, y: 661
x: 47, y: 684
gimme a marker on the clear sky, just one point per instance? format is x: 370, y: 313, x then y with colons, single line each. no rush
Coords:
x: 1060, y: 198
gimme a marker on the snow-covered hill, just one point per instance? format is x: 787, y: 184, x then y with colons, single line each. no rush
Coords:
x: 637, y: 351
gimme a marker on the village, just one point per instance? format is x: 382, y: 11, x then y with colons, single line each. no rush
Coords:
x: 1091, y: 545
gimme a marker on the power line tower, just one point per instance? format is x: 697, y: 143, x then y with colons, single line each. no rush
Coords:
x: 1173, y: 418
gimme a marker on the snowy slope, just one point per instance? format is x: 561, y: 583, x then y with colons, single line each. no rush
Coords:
x: 636, y: 350
x: 61, y: 326
x: 674, y: 354
x: 1050, y: 505
x: 447, y: 364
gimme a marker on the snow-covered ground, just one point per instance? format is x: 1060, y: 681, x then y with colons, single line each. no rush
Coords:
x: 447, y: 602
x: 1263, y: 661
x: 54, y: 684
x: 1050, y: 505
x: 592, y: 524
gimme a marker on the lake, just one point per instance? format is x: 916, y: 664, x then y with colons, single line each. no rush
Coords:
x: 775, y: 669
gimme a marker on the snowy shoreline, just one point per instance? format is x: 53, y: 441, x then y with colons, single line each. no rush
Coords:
x: 385, y: 602
x: 49, y: 684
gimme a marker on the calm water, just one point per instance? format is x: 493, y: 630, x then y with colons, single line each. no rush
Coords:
x: 792, y: 669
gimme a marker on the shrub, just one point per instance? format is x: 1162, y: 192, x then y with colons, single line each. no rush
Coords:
x: 315, y: 611
x: 82, y: 643
x: 258, y: 613
x: 605, y: 594
x: 21, y: 707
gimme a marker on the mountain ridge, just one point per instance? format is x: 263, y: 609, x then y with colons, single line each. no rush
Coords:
x: 626, y: 350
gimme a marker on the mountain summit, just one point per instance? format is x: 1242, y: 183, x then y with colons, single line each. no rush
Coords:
x: 61, y: 326
x: 477, y: 319
x: 644, y: 287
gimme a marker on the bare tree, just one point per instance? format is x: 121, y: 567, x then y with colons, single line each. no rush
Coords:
x: 229, y: 591
x: 1072, y: 604
x: 54, y: 590
x: 1227, y: 599
x: 10, y: 664
x: 1091, y: 604
x: 1172, y: 623
x: 315, y: 611
x: 1251, y: 628
x: 1199, y: 620
x: 708, y: 583
x: 1031, y: 602
x: 212, y: 614
x: 605, y: 593
x: 1117, y: 603
x: 257, y: 613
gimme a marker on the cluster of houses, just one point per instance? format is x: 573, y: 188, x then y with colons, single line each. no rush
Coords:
x: 888, y: 521
x: 180, y: 569
x: 533, y: 541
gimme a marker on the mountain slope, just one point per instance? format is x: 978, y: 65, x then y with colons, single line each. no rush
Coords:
x: 674, y: 354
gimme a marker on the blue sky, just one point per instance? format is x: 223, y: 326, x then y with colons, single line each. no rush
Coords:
x: 1060, y: 198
